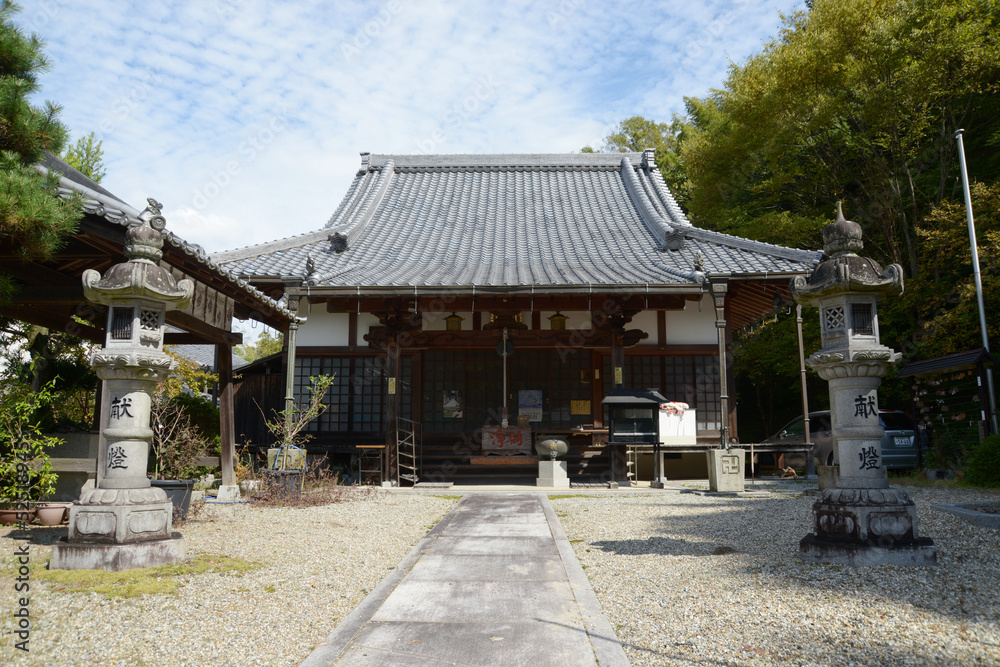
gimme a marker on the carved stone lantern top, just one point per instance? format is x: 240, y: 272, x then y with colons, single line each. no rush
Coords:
x: 846, y: 287
x: 140, y: 277
x: 844, y: 270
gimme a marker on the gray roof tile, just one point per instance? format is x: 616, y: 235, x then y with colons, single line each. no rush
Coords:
x: 554, y: 220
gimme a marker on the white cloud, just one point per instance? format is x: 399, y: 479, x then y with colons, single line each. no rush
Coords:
x: 245, y: 117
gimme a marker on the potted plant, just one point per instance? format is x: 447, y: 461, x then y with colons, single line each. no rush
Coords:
x: 177, y: 445
x: 182, y: 422
x: 246, y: 478
x: 286, y: 475
x: 26, y: 474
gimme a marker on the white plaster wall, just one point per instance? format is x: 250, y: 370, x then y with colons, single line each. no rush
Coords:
x: 323, y: 328
x: 365, y: 321
x: 691, y: 327
x: 646, y: 320
x: 436, y: 321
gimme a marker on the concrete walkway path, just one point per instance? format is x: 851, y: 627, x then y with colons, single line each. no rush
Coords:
x: 496, y: 582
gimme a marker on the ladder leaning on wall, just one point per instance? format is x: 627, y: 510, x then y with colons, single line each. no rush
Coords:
x: 407, y: 433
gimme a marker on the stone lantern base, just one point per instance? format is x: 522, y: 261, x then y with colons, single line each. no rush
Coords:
x: 117, y: 557
x: 118, y: 529
x: 867, y: 527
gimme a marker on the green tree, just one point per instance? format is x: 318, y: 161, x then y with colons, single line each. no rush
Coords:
x: 87, y: 157
x: 636, y: 134
x: 855, y: 100
x: 33, y: 221
x: 267, y: 343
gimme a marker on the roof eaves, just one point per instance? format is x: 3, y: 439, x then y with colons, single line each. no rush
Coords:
x: 791, y: 254
x: 116, y: 211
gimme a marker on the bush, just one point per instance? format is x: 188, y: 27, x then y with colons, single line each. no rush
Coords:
x: 983, y: 465
x: 25, y: 469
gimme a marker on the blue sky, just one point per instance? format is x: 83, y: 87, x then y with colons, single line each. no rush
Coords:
x: 245, y: 118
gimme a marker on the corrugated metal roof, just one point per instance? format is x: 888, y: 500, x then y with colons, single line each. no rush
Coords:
x: 949, y: 362
x: 544, y: 220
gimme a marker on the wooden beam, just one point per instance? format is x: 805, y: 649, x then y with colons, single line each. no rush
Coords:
x: 53, y: 320
x: 490, y: 303
x: 55, y: 294
x: 183, y: 338
x: 209, y: 333
x: 522, y: 339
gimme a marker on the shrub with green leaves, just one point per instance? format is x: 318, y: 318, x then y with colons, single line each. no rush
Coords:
x: 25, y: 468
x: 983, y: 465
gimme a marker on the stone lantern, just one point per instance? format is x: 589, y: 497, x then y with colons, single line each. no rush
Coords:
x: 124, y: 522
x: 861, y: 521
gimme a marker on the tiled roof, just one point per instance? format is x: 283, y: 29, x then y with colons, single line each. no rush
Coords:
x: 204, y: 356
x: 97, y: 201
x: 546, y: 220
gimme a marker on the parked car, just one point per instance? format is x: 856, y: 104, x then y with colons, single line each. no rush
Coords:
x: 899, y: 442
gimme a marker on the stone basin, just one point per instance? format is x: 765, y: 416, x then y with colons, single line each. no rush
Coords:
x: 546, y: 445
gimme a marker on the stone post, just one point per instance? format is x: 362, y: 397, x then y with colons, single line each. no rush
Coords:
x: 125, y: 523
x: 861, y: 521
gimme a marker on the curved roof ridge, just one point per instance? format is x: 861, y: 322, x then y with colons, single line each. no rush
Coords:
x: 477, y: 161
x: 793, y: 254
x: 258, y: 249
x: 348, y: 203
x: 367, y: 206
x: 674, y: 211
x: 656, y: 224
x: 645, y: 179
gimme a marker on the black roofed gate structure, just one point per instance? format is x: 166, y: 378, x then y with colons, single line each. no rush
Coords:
x: 442, y: 279
x: 50, y: 294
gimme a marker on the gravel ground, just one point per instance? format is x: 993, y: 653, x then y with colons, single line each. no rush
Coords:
x: 320, y: 562
x: 685, y: 580
x: 698, y: 580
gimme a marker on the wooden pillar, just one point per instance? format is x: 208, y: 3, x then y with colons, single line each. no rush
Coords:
x: 293, y: 328
x: 391, y: 405
x: 227, y: 429
x: 617, y: 357
x: 596, y: 390
x: 719, y: 288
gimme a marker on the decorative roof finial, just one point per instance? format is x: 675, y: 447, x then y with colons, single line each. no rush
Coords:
x: 145, y: 240
x: 338, y: 242
x: 842, y: 236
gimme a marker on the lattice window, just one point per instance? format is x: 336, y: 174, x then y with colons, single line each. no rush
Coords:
x: 862, y: 320
x: 121, y: 323
x: 149, y: 320
x: 368, y: 381
x: 337, y: 399
x: 833, y: 318
x: 563, y: 376
x: 355, y: 402
x: 476, y: 376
